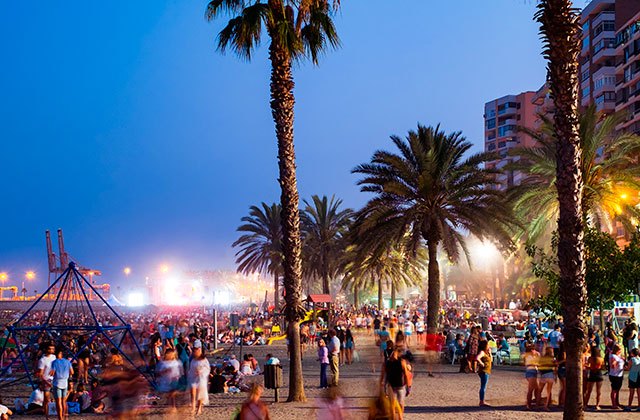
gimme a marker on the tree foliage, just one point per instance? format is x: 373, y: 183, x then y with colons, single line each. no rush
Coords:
x: 324, y: 229
x: 611, y: 272
x: 611, y: 176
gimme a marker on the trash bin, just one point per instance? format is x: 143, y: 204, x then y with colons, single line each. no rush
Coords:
x: 273, y: 378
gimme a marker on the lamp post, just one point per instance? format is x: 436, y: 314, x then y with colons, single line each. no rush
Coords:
x: 29, y: 275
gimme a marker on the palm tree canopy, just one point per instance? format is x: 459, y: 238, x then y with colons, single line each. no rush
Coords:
x: 611, y: 175
x: 362, y: 267
x: 261, y: 244
x: 303, y: 28
x: 429, y: 189
x: 324, y: 228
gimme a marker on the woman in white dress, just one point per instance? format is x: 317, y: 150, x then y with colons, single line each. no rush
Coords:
x: 198, y: 380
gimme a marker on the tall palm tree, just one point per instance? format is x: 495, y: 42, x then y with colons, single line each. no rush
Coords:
x: 611, y: 177
x: 560, y: 32
x: 429, y: 191
x: 261, y: 244
x: 366, y: 268
x: 297, y: 30
x: 324, y: 229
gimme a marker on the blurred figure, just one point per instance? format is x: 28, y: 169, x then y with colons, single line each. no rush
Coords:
x: 169, y: 372
x: 253, y: 408
x: 396, y: 378
x: 330, y: 407
x: 198, y: 380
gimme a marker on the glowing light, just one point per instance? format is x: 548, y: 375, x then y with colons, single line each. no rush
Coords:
x: 135, y: 299
x: 4, y: 277
x: 164, y: 268
x: 30, y: 275
x: 90, y: 273
x: 127, y: 271
x: 222, y: 298
x: 623, y: 196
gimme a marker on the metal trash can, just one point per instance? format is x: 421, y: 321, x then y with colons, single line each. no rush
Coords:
x: 273, y: 378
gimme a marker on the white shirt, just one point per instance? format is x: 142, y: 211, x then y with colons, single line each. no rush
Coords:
x: 235, y: 364
x: 616, y: 365
x: 334, y: 345
x: 37, y: 397
x: 44, y: 364
x: 4, y: 409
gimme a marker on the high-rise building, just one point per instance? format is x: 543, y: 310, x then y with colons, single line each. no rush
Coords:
x: 627, y: 70
x: 502, y: 116
x: 598, y: 55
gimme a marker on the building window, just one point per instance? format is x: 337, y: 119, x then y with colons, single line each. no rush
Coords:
x: 502, y: 131
x: 604, y: 26
x: 604, y: 81
x: 586, y: 91
x: 491, y: 147
x: 501, y: 144
x: 585, y: 75
x: 585, y: 42
x: 491, y: 113
x: 491, y: 135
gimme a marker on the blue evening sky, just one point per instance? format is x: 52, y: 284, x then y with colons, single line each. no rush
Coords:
x: 122, y: 125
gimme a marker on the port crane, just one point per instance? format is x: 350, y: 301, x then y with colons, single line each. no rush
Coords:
x: 59, y: 263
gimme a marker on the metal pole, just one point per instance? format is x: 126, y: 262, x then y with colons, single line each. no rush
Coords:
x: 215, y: 329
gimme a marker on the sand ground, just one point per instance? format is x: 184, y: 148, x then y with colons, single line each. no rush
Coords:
x: 449, y: 395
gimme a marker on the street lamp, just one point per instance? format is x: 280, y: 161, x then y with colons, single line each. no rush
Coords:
x: 127, y: 271
x: 29, y: 275
x: 164, y: 268
x: 4, y: 277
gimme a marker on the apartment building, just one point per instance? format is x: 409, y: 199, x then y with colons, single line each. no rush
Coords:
x: 598, y: 55
x: 501, y: 118
x: 628, y: 66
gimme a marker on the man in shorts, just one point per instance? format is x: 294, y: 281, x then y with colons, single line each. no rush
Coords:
x: 44, y: 374
x: 62, y: 371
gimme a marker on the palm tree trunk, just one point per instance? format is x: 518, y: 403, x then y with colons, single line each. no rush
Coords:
x: 380, y: 303
x: 433, y: 293
x: 276, y: 292
x: 325, y: 283
x: 355, y: 297
x: 393, y: 295
x: 560, y: 29
x: 282, y: 103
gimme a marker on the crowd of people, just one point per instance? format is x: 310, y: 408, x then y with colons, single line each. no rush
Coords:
x: 91, y: 375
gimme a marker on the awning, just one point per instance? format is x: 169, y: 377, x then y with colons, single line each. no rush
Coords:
x: 319, y: 299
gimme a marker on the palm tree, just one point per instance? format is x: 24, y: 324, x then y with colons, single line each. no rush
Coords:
x: 296, y: 29
x: 261, y: 244
x: 560, y: 32
x: 324, y: 228
x: 611, y: 177
x: 367, y: 268
x: 428, y: 191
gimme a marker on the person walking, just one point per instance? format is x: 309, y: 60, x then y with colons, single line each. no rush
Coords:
x: 616, y: 375
x: 595, y: 363
x: 169, y: 371
x: 396, y: 379
x: 634, y: 378
x: 547, y: 376
x: 334, y: 353
x: 561, y: 363
x: 198, y: 380
x: 61, y: 370
x: 484, y: 360
x: 349, y: 346
x: 253, y: 408
x: 531, y: 359
x: 323, y: 358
